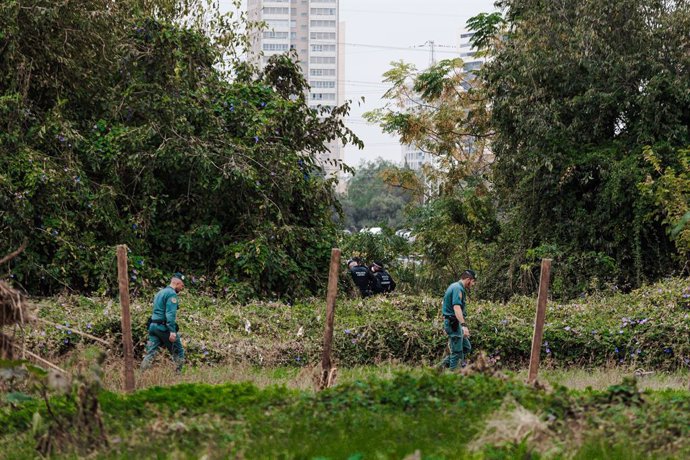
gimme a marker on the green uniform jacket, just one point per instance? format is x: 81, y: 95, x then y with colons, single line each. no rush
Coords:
x: 165, y: 305
x: 455, y: 295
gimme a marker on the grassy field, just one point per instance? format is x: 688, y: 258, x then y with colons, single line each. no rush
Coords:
x: 248, y: 388
x: 302, y: 378
x: 646, y: 329
x: 388, y: 412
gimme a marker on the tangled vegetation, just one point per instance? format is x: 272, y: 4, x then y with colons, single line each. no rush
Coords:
x: 647, y: 329
x: 119, y: 125
x: 584, y: 109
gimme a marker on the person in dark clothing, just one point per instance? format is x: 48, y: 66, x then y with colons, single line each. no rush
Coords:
x: 384, y: 282
x: 362, y: 277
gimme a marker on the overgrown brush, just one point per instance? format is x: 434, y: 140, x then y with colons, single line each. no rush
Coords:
x: 647, y: 328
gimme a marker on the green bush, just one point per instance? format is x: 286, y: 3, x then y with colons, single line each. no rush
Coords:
x: 123, y: 129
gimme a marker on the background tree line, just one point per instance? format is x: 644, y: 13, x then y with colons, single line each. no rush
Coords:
x: 137, y: 122
x: 584, y: 110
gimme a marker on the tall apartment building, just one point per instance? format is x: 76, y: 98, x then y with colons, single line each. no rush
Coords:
x: 313, y: 29
x: 413, y: 157
x: 470, y: 59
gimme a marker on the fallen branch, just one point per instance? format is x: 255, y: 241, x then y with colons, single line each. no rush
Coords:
x: 38, y: 358
x: 92, y: 337
x: 14, y: 254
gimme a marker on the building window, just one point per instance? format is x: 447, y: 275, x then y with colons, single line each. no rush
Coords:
x: 322, y: 60
x: 317, y: 48
x: 275, y: 47
x: 277, y: 23
x: 322, y: 11
x: 322, y: 72
x: 322, y: 35
x: 322, y: 23
x: 276, y: 10
x: 323, y: 96
x: 322, y: 84
x: 273, y: 34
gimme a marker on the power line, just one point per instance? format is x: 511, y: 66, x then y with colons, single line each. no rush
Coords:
x: 419, y: 48
x: 412, y: 13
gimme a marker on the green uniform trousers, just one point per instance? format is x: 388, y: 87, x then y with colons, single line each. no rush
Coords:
x: 159, y: 336
x: 460, y: 347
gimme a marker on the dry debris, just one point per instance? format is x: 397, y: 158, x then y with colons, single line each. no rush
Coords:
x: 14, y: 309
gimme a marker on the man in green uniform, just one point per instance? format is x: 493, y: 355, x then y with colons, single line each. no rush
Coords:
x: 163, y: 324
x: 454, y: 313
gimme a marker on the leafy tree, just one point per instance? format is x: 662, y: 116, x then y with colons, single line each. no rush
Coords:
x: 119, y: 125
x: 373, y: 199
x: 440, y: 111
x: 577, y: 89
x: 670, y: 188
x: 443, y: 112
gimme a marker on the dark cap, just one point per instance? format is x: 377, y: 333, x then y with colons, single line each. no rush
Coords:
x: 468, y: 274
x: 356, y: 260
x: 378, y: 264
x: 178, y: 275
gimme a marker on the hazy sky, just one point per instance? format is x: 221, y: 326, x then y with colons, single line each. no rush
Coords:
x: 406, y: 24
x: 378, y: 32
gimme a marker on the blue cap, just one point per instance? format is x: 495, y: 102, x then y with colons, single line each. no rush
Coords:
x: 178, y: 275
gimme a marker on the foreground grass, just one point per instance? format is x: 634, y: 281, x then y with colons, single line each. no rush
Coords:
x: 440, y: 415
x: 248, y: 389
x: 302, y: 378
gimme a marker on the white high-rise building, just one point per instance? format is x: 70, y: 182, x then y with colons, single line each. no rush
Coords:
x: 312, y: 28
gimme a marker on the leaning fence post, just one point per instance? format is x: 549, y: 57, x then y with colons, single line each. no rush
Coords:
x: 127, y: 345
x: 544, y: 279
x: 326, y: 378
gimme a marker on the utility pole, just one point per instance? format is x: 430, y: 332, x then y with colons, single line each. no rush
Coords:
x: 432, y: 49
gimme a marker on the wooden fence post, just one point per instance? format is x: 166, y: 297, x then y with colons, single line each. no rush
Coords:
x: 544, y: 280
x: 127, y: 345
x: 326, y: 377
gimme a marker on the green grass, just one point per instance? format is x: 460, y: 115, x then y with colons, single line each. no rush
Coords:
x: 249, y: 394
x: 441, y: 415
x: 302, y: 378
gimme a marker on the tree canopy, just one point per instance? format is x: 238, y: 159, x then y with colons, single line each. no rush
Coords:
x: 136, y: 122
x: 577, y: 90
x: 373, y: 201
x: 584, y: 108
